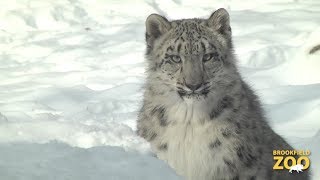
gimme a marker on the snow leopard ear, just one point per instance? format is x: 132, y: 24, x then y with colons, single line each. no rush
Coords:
x: 220, y: 21
x: 156, y: 26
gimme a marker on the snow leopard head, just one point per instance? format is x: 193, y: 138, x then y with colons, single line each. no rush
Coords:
x: 191, y: 57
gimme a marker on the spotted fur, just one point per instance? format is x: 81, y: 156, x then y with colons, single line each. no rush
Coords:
x: 198, y: 114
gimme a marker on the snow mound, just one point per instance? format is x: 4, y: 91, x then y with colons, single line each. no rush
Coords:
x: 59, y: 161
x: 72, y: 72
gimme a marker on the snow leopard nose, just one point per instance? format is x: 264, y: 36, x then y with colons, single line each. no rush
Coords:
x: 193, y: 87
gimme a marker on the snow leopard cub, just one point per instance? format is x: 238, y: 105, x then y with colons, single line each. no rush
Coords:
x: 198, y: 114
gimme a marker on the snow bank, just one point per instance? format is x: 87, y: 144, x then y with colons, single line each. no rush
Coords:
x: 59, y: 161
x: 73, y: 72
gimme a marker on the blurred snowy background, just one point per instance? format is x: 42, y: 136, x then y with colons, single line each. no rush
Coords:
x: 71, y: 73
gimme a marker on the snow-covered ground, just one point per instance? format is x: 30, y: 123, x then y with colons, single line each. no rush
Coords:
x: 71, y: 76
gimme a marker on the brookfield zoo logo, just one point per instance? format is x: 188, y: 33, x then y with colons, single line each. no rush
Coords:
x: 287, y: 159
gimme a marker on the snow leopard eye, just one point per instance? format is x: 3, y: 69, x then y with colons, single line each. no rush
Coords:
x: 207, y: 57
x: 175, y: 58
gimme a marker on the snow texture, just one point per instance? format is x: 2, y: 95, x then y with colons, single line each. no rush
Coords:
x: 72, y: 71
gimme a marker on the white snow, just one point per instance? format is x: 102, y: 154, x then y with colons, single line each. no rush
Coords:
x: 72, y: 71
x: 60, y: 161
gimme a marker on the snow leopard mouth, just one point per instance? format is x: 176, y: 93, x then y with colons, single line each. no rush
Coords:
x: 201, y: 91
x: 193, y: 94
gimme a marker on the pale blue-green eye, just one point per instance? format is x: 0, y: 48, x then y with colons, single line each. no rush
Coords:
x: 175, y: 58
x: 207, y: 57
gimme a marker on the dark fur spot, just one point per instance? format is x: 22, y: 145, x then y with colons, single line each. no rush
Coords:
x: 246, y: 124
x: 236, y: 178
x: 215, y: 144
x: 249, y: 160
x: 229, y: 119
x: 182, y: 93
x: 212, y: 46
x: 226, y: 133
x: 231, y: 166
x: 253, y: 125
x: 163, y: 147
x: 168, y: 62
x: 170, y: 48
x: 143, y: 132
x: 161, y: 63
x: 253, y: 178
x: 214, y: 113
x: 215, y: 54
x: 314, y: 49
x: 238, y: 125
x: 160, y: 112
x: 203, y: 46
x: 237, y: 131
x: 147, y: 36
x: 223, y: 104
x: 238, y: 128
x: 240, y: 152
x: 227, y: 102
x: 179, y: 48
x: 153, y: 135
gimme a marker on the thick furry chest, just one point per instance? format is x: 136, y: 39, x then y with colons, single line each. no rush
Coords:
x: 188, y: 150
